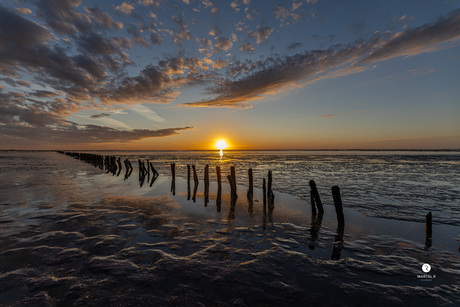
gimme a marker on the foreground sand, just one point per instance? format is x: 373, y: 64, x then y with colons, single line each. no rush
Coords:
x: 161, y: 249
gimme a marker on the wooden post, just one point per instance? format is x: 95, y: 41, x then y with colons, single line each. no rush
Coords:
x: 316, y: 197
x: 269, y: 185
x: 206, y: 185
x: 173, y: 181
x: 195, y: 176
x: 219, y: 179
x: 429, y: 229
x: 232, y: 181
x: 250, y: 192
x: 270, y: 195
x: 264, y: 190
x: 188, y: 182
x: 338, y: 205
x: 251, y: 184
x: 219, y: 189
x: 206, y: 177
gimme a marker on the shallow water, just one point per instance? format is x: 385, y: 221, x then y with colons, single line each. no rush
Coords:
x: 396, y: 185
x: 70, y: 234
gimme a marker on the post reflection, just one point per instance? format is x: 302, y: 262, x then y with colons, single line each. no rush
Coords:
x: 338, y: 244
x: 316, y: 221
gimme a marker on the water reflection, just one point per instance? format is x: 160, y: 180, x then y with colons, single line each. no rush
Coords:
x: 316, y: 221
x: 338, y: 243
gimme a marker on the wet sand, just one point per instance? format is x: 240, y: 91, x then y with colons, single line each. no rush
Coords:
x: 126, y: 245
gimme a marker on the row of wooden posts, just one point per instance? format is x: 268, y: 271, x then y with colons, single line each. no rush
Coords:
x: 113, y: 165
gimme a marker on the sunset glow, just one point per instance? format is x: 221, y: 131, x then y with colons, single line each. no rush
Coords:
x: 221, y: 144
x: 296, y: 74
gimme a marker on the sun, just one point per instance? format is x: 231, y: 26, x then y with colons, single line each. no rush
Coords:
x: 221, y: 144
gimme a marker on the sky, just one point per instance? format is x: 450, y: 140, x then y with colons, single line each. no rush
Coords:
x: 180, y: 75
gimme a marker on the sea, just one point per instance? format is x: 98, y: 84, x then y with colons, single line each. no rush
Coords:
x: 72, y: 233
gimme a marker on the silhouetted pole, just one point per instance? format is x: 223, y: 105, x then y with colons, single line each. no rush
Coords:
x: 270, y: 195
x: 264, y: 190
x: 233, y: 174
x: 429, y: 229
x: 219, y: 189
x: 188, y: 182
x: 206, y: 185
x: 195, y: 176
x: 251, y: 184
x: 173, y: 182
x: 250, y: 192
x: 219, y: 179
x: 316, y: 197
x: 206, y: 177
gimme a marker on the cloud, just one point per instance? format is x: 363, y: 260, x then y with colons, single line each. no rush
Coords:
x: 338, y: 114
x: 103, y: 18
x: 294, y: 46
x: 125, y: 8
x: 100, y: 115
x: 137, y: 35
x: 283, y: 13
x: 423, y: 71
x: 183, y: 33
x: 247, y: 47
x: 223, y: 44
x: 15, y: 83
x: 426, y: 38
x: 155, y: 38
x: 62, y: 17
x: 147, y: 113
x: 15, y: 30
x: 23, y: 10
x: 262, y: 34
x: 41, y: 121
x: 273, y: 75
x: 83, y: 134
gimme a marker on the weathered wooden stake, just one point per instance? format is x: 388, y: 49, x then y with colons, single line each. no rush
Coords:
x: 316, y: 197
x: 219, y: 179
x: 250, y: 192
x: 429, y: 229
x: 154, y: 173
x: 264, y: 190
x: 232, y: 172
x: 195, y: 176
x: 338, y: 205
x: 173, y: 182
x: 219, y: 189
x: 188, y: 182
x: 270, y: 195
x: 206, y: 185
x: 251, y: 184
x: 206, y: 177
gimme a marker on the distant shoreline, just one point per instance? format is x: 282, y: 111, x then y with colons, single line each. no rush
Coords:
x: 233, y: 150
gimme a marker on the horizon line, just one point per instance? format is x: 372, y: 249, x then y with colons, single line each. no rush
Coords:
x: 235, y: 150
